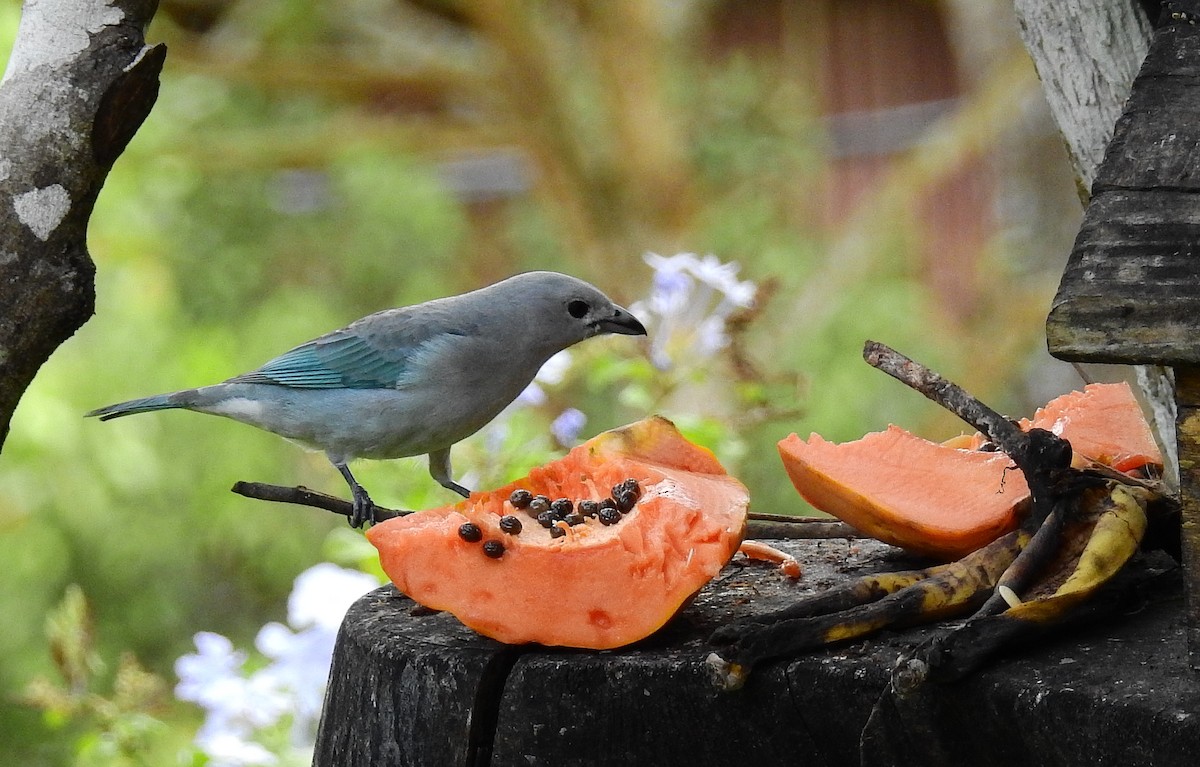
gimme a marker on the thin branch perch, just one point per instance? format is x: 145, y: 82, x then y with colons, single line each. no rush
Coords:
x: 777, y: 526
x: 302, y: 496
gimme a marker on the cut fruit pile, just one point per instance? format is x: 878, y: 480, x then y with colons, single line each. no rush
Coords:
x: 597, y: 576
x: 947, y: 500
x: 1013, y: 578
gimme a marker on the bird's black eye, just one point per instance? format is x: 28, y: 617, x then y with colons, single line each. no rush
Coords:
x: 577, y: 309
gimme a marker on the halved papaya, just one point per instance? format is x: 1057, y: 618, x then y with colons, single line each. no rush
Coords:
x: 595, y: 585
x: 948, y: 499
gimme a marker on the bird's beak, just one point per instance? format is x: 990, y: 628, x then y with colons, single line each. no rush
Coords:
x: 621, y: 322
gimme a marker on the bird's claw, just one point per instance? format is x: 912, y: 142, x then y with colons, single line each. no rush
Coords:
x: 364, y: 508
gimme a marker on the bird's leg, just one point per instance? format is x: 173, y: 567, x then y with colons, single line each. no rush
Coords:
x: 364, y: 507
x: 439, y: 469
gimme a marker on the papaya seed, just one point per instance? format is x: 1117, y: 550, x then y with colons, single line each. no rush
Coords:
x: 628, y: 486
x: 493, y: 549
x: 562, y: 507
x: 546, y: 519
x: 610, y: 516
x: 470, y: 532
x: 520, y: 498
x: 538, y: 505
x: 557, y: 532
x: 574, y: 518
x: 588, y: 507
x: 510, y: 524
x: 623, y: 499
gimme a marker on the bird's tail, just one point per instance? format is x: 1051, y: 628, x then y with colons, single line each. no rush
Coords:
x: 143, y: 405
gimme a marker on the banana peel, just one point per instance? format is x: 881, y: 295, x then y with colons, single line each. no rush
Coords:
x: 1102, y: 535
x: 1119, y: 522
x: 1114, y: 538
x: 862, y: 607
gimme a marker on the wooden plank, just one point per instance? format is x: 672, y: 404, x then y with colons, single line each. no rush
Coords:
x: 1187, y: 394
x: 1156, y: 141
x: 1130, y: 293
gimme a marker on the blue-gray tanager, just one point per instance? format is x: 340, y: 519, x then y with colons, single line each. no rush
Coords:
x: 409, y: 381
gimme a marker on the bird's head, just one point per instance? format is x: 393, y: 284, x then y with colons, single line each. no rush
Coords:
x: 567, y: 310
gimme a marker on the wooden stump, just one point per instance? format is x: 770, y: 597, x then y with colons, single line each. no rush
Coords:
x: 419, y: 689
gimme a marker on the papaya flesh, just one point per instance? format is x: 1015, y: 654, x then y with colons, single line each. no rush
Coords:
x: 595, y: 586
x: 946, y: 500
x: 909, y: 492
x: 1104, y: 423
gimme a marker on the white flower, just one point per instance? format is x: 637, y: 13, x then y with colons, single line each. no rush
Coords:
x: 230, y: 751
x: 300, y: 668
x: 323, y: 593
x: 239, y: 705
x: 300, y: 660
x: 201, y: 675
x: 552, y: 372
x: 555, y: 369
x: 690, y: 300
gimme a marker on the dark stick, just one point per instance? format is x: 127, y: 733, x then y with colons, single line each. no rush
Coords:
x: 760, y: 526
x: 1029, y: 563
x: 302, y: 496
x: 798, y: 528
x: 949, y: 395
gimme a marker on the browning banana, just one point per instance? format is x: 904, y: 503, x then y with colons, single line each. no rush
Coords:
x: 884, y: 600
x: 862, y: 607
x: 1113, y: 540
x: 1114, y: 537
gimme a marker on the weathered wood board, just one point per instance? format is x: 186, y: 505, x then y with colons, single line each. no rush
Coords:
x: 1187, y: 381
x: 1131, y: 289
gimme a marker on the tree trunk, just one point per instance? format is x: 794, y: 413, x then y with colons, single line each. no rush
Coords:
x: 78, y: 85
x: 1087, y: 53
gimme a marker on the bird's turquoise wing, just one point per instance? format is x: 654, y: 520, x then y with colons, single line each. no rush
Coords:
x: 340, y: 360
x: 388, y: 349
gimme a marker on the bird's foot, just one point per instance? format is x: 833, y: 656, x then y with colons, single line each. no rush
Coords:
x: 452, y: 485
x: 364, y: 508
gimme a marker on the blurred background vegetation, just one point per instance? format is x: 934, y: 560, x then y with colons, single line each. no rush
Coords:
x: 881, y: 169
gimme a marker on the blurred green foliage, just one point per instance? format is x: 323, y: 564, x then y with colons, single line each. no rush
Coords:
x: 247, y: 217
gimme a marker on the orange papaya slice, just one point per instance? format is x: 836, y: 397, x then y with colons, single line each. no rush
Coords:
x: 588, y: 584
x: 896, y: 487
x: 1104, y: 422
x: 946, y: 500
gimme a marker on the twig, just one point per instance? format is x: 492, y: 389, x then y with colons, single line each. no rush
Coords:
x: 781, y: 527
x: 1029, y: 563
x: 760, y: 526
x: 1006, y: 434
x: 302, y: 496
